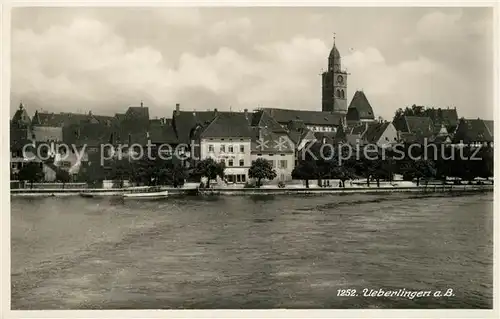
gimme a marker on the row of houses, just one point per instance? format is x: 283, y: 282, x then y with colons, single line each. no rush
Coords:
x: 235, y: 138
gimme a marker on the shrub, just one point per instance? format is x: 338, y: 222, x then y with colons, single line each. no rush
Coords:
x: 281, y: 184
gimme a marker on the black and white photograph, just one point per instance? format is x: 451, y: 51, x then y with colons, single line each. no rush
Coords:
x: 250, y: 157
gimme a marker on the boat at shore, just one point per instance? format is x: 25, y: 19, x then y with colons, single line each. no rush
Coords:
x: 148, y: 195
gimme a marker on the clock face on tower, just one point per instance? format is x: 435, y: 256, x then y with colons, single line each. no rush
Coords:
x: 340, y: 79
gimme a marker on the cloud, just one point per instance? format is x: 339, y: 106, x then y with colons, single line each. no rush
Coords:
x: 90, y: 62
x: 239, y: 28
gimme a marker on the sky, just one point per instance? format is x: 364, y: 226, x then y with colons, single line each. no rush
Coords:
x: 107, y: 59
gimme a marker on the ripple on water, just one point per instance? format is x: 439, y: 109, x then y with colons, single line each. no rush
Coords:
x: 239, y: 252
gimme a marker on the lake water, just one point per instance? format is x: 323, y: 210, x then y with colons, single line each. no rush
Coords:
x: 251, y: 252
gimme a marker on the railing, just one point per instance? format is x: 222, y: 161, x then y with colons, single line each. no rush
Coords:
x: 28, y: 186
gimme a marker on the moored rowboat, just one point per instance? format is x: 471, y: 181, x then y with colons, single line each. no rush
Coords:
x: 151, y: 195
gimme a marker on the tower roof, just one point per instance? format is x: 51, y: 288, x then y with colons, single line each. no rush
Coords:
x: 334, y: 53
x: 360, y: 104
x: 21, y: 117
x: 334, y: 59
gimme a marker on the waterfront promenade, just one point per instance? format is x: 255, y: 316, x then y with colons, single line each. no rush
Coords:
x: 192, y: 190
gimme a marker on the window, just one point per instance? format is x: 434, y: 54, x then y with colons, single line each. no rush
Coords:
x: 259, y: 154
x: 223, y: 161
x: 13, y: 165
x: 242, y: 162
x: 243, y: 178
x: 342, y: 95
x: 271, y: 154
x: 283, y: 164
x: 282, y: 177
x: 230, y: 149
x: 230, y: 178
x: 242, y: 148
x: 210, y: 148
x: 223, y: 148
x: 282, y: 154
x: 230, y: 162
x: 238, y: 178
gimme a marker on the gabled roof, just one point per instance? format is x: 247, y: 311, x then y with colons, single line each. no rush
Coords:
x: 184, y: 122
x: 135, y: 112
x: 420, y: 125
x: 275, y: 142
x: 263, y: 119
x: 374, y: 131
x: 360, y: 108
x: 283, y: 116
x: 448, y: 117
x: 228, y: 124
x: 474, y: 130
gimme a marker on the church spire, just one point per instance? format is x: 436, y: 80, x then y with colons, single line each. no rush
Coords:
x: 334, y: 60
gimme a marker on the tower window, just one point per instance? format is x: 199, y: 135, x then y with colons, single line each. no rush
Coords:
x: 342, y: 95
x: 338, y: 93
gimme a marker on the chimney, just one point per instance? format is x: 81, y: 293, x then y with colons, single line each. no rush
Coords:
x: 177, y: 109
x: 246, y: 113
x: 21, y: 105
x: 216, y: 112
x: 142, y: 104
x: 90, y: 113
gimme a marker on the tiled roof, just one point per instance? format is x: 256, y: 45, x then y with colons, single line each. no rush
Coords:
x: 119, y: 116
x: 164, y: 134
x: 448, y: 117
x: 441, y: 139
x: 409, y: 137
x: 263, y: 119
x: 275, y: 142
x: 184, y: 122
x: 356, y: 129
x: 64, y: 119
x: 135, y: 112
x: 329, y: 137
x: 228, y: 124
x: 136, y: 120
x: 21, y: 117
x: 91, y: 134
x: 360, y: 108
x: 475, y: 130
x: 58, y: 119
x: 283, y: 116
x: 375, y: 131
x: 420, y: 125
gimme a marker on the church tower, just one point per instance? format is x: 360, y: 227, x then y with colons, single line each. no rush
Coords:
x: 334, y: 84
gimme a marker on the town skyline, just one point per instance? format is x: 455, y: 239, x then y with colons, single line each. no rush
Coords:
x: 223, y: 58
